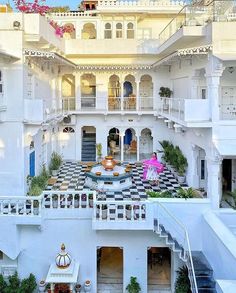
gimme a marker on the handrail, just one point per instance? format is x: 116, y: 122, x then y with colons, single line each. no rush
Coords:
x: 183, y: 12
x: 190, y: 266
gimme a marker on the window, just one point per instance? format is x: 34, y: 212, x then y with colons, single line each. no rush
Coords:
x: 119, y: 30
x: 68, y: 130
x: 1, y: 255
x: 202, y: 169
x: 130, y: 30
x: 108, y: 31
x: 203, y: 93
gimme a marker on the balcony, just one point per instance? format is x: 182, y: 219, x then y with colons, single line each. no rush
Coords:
x: 110, y: 104
x: 3, y: 106
x: 185, y: 110
x: 110, y: 47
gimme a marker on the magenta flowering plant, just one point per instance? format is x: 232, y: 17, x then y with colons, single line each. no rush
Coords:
x: 37, y: 6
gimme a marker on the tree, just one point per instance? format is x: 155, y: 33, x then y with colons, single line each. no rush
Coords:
x: 28, y: 285
x: 3, y: 284
x: 37, y: 6
x: 14, y: 284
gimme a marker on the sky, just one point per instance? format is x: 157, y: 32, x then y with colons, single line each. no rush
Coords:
x: 72, y: 3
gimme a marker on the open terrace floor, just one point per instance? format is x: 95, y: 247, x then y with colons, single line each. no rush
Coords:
x: 71, y: 176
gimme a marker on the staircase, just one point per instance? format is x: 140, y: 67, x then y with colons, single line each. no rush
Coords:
x: 203, y: 273
x: 176, y: 237
x: 89, y: 147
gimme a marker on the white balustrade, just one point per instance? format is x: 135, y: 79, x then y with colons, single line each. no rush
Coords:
x: 68, y: 199
x: 20, y: 205
x: 120, y: 210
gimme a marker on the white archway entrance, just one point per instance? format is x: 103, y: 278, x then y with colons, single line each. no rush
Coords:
x: 130, y: 145
x: 145, y: 144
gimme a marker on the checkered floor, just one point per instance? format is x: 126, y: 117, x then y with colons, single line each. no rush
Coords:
x: 71, y: 176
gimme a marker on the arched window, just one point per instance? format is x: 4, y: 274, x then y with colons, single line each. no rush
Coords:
x: 119, y: 30
x: 108, y: 31
x: 89, y: 31
x: 130, y: 30
x: 68, y: 130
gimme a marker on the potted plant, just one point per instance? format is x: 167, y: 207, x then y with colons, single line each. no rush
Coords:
x: 55, y: 163
x: 186, y: 193
x: 87, y: 286
x: 133, y: 286
x: 165, y: 92
x: 42, y: 286
x: 182, y: 284
x: 99, y: 152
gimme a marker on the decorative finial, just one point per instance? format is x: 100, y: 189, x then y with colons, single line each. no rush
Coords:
x: 63, y: 247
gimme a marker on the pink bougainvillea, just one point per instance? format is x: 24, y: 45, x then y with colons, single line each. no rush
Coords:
x: 37, y: 6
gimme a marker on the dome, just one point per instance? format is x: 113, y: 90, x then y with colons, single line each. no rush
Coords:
x: 63, y: 259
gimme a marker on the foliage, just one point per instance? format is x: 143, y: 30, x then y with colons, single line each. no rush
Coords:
x: 165, y: 92
x: 186, y: 193
x: 59, y: 9
x: 56, y: 161
x: 39, y: 183
x: 155, y: 194
x: 182, y: 284
x: 15, y: 285
x: 99, y: 149
x: 3, y: 284
x: 133, y: 286
x: 164, y: 143
x: 32, y: 7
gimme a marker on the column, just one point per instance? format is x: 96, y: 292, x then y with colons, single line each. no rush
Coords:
x: 138, y: 134
x: 122, y: 147
x: 214, y: 71
x: 214, y: 184
x: 122, y: 95
x: 78, y: 142
x: 138, y: 102
x: 52, y: 287
x: 59, y: 103
x: 77, y: 92
x: 194, y: 168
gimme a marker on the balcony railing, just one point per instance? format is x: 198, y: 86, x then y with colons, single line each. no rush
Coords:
x: 68, y: 103
x: 199, y: 15
x: 228, y: 111
x: 3, y: 106
x: 185, y: 109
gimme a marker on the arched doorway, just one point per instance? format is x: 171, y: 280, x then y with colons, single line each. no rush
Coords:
x: 67, y: 143
x: 114, y: 92
x: 89, y: 31
x: 113, y: 143
x: 130, y: 145
x: 145, y: 144
x: 68, y: 92
x: 129, y: 92
x: 62, y: 288
x: 146, y: 92
x: 88, y: 91
x: 88, y: 149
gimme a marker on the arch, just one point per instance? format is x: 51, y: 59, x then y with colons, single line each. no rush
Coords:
x: 68, y: 85
x: 89, y: 31
x: 119, y: 30
x: 146, y: 86
x: 108, y: 31
x: 130, y: 145
x: 113, y: 143
x: 88, y: 85
x: 145, y: 143
x: 130, y: 31
x: 114, y: 87
x: 69, y: 30
x: 68, y: 129
x: 129, y: 86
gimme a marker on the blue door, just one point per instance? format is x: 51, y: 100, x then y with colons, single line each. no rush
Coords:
x: 32, y: 164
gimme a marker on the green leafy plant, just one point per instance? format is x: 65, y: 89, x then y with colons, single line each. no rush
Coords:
x: 28, y: 285
x: 99, y: 149
x: 165, y: 92
x: 56, y: 161
x: 182, y: 284
x: 186, y: 193
x: 133, y: 286
x: 164, y: 144
x: 35, y: 190
x: 15, y: 285
x: 3, y: 284
x: 155, y: 194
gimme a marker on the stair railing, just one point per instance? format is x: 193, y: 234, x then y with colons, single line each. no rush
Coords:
x: 179, y: 232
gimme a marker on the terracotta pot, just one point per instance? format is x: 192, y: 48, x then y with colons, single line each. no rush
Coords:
x: 108, y: 163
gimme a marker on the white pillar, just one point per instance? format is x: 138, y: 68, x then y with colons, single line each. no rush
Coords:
x: 194, y: 168
x: 122, y: 95
x: 214, y: 71
x: 214, y: 185
x: 138, y: 148
x: 52, y: 287
x: 77, y: 92
x: 78, y: 143
x: 122, y: 147
x: 137, y: 95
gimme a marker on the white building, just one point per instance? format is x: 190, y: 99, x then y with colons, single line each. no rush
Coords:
x: 100, y: 83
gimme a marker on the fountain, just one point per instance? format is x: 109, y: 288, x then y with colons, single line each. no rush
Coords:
x: 108, y: 176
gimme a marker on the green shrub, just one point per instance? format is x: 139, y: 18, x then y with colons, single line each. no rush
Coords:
x: 3, y: 284
x: 15, y: 285
x: 155, y: 194
x: 28, y: 285
x: 182, y: 284
x: 56, y: 161
x: 35, y: 190
x: 186, y: 193
x: 133, y: 286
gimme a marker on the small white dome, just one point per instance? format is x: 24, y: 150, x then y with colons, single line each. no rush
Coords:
x: 63, y: 259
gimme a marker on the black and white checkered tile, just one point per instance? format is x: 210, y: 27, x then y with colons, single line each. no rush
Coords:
x: 71, y: 176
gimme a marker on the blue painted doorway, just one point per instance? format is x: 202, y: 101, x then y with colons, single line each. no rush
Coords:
x: 32, y: 164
